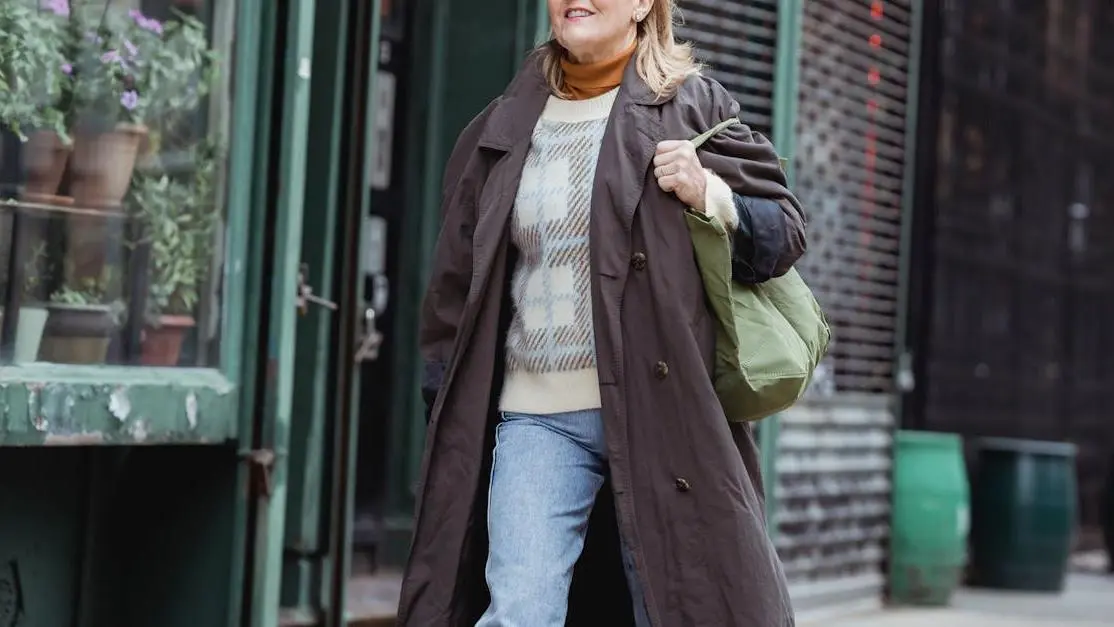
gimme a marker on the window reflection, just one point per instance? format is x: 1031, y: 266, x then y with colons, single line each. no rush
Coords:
x: 111, y: 115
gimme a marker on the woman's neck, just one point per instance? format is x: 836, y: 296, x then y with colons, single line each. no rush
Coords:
x: 588, y: 80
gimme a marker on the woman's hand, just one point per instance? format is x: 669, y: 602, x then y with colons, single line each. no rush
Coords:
x: 678, y: 170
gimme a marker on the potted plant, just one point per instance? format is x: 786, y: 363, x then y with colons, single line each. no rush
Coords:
x: 135, y: 72
x: 179, y: 219
x: 83, y: 319
x: 33, y: 312
x: 35, y: 79
x: 135, y: 69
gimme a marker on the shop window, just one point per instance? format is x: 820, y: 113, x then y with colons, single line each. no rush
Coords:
x: 117, y: 221
x: 114, y: 118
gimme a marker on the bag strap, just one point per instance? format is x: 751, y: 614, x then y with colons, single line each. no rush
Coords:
x: 700, y: 139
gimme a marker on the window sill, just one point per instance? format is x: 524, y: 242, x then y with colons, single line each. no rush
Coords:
x: 65, y: 405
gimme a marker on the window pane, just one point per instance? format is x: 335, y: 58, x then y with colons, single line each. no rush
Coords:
x: 114, y: 121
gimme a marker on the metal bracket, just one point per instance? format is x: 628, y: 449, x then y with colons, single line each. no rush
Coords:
x: 368, y: 349
x: 304, y: 293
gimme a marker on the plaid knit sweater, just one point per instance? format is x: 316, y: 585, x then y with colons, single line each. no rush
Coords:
x: 550, y: 350
x: 551, y: 356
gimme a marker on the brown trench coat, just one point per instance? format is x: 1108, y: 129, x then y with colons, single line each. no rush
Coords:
x: 685, y: 489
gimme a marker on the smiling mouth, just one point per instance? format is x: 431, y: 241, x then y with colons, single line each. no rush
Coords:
x: 573, y: 14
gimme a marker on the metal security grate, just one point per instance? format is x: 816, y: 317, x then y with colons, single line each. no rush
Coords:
x: 738, y: 42
x: 833, y: 492
x: 833, y: 468
x: 849, y: 166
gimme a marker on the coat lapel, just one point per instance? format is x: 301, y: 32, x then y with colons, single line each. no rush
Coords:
x: 623, y: 170
x: 508, y: 132
x: 634, y: 131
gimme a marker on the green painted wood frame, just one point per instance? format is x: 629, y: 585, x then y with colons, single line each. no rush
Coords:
x: 277, y: 229
x: 68, y: 405
x: 786, y: 90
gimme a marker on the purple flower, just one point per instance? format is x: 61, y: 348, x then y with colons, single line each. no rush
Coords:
x: 146, y: 23
x: 57, y: 7
x: 111, y: 57
x: 152, y: 25
x: 67, y: 69
x: 133, y: 50
x: 130, y: 100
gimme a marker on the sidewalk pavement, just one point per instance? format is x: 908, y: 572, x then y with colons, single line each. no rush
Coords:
x: 1087, y: 602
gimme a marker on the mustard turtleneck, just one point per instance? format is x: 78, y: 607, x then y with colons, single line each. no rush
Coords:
x: 588, y: 80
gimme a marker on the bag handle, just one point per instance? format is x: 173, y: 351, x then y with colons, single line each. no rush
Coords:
x: 700, y: 139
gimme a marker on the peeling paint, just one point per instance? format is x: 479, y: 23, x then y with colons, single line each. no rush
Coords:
x: 119, y: 405
x: 37, y: 419
x: 138, y: 431
x: 46, y: 404
x: 191, y: 410
x: 11, y: 596
x: 73, y: 439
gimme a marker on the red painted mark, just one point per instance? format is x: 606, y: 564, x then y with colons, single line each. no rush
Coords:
x: 870, y: 156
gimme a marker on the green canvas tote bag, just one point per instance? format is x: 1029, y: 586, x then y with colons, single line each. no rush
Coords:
x: 770, y: 336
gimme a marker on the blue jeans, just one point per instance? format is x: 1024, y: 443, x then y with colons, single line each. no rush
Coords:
x: 545, y: 476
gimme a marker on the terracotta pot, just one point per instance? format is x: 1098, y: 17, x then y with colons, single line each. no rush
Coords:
x: 103, y: 164
x: 78, y: 334
x: 44, y: 162
x: 162, y: 343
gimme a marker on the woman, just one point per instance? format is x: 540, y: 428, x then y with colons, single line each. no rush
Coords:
x: 579, y: 468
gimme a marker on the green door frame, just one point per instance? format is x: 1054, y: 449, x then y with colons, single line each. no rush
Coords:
x: 269, y: 435
x: 325, y: 419
x: 314, y: 392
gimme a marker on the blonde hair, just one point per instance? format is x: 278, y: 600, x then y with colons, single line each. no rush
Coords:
x: 662, y: 61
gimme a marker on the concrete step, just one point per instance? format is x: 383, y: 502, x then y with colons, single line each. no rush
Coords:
x: 372, y: 602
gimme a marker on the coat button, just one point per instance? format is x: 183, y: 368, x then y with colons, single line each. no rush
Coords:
x: 638, y: 261
x: 682, y: 484
x: 661, y: 370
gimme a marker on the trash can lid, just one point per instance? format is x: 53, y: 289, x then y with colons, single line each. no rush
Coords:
x: 1035, y: 447
x: 930, y: 438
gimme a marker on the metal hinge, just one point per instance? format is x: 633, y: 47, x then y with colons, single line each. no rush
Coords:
x: 262, y: 463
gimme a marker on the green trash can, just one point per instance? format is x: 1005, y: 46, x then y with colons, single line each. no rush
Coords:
x: 931, y: 514
x: 1024, y: 514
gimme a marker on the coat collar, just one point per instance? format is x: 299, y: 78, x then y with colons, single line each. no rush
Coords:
x: 518, y: 109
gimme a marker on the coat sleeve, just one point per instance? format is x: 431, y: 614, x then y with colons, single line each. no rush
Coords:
x: 451, y: 276
x: 750, y: 189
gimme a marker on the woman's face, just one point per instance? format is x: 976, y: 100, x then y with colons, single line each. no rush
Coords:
x: 595, y: 30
